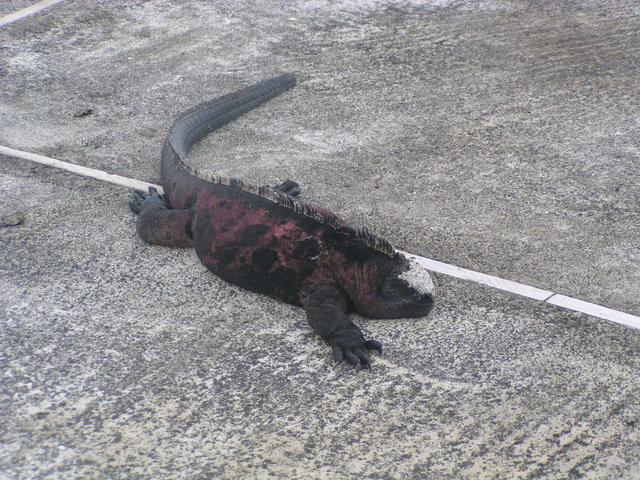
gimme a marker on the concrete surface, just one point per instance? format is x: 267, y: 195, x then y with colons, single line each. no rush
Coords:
x: 498, y: 136
x: 8, y: 7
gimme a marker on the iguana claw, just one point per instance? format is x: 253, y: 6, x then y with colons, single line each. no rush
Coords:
x: 350, y: 344
x: 139, y: 197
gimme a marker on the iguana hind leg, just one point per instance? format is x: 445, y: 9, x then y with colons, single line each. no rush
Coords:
x: 325, y: 308
x: 289, y: 187
x: 159, y: 225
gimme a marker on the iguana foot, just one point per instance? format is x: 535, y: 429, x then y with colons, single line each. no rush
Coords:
x: 349, y: 343
x: 139, y: 197
x: 157, y: 223
x: 289, y: 187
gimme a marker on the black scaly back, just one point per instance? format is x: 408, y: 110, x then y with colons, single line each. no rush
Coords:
x: 197, y: 122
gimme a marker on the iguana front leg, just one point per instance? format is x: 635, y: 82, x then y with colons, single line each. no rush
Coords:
x: 159, y: 225
x: 325, y: 307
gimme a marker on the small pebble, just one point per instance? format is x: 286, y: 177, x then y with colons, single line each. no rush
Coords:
x: 83, y: 113
x: 12, y: 219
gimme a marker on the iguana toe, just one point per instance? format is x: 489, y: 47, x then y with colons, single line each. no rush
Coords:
x: 139, y: 197
x: 349, y: 344
x: 136, y: 203
x: 337, y: 353
x: 135, y: 207
x: 373, y: 345
x: 352, y: 358
x: 357, y: 357
x: 363, y: 355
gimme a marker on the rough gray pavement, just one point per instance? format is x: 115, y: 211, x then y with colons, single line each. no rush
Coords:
x: 8, y: 7
x: 498, y: 136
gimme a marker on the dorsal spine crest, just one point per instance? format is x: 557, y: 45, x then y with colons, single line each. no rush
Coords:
x: 217, y: 113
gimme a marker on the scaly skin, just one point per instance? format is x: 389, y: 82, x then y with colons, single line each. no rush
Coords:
x: 269, y: 248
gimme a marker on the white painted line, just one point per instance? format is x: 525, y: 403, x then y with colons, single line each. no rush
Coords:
x: 595, y: 310
x: 25, y: 12
x: 79, y: 170
x: 483, y: 278
x: 546, y: 296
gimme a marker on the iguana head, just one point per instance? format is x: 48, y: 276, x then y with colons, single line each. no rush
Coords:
x: 408, y: 290
x: 399, y: 286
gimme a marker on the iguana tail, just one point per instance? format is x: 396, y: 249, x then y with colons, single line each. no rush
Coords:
x: 194, y: 124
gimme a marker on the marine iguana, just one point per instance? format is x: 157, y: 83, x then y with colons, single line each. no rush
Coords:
x: 267, y: 240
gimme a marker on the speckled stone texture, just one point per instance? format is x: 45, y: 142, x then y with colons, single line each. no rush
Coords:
x: 498, y: 136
